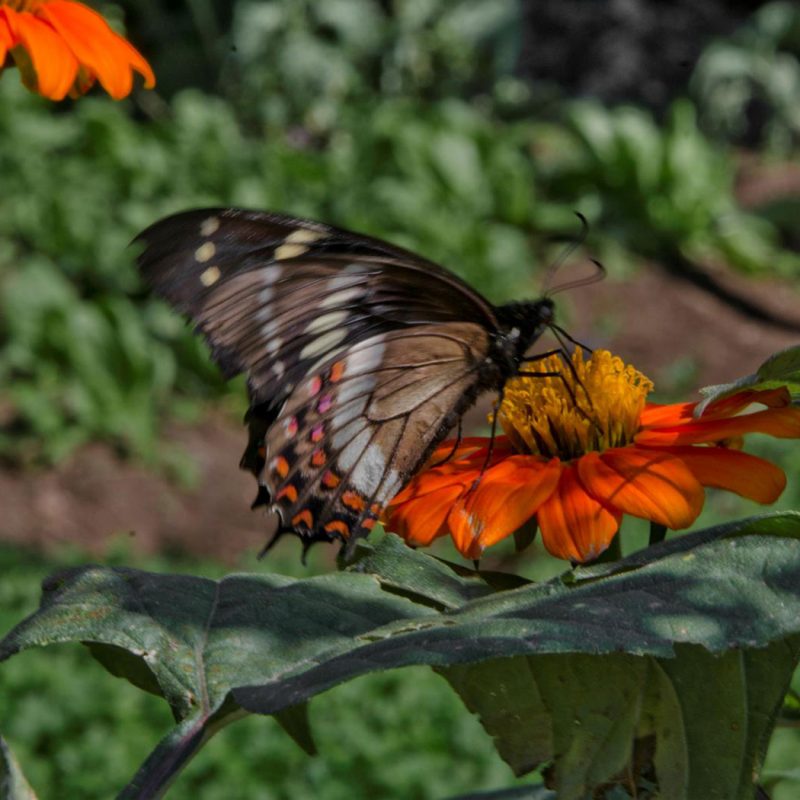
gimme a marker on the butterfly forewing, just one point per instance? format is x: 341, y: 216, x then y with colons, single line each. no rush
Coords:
x: 359, y: 355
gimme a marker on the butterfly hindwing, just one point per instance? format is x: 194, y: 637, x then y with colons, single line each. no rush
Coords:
x: 350, y: 437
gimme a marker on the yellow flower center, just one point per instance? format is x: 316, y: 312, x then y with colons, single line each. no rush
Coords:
x: 593, y: 407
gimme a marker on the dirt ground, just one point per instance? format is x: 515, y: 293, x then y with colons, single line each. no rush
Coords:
x: 94, y: 497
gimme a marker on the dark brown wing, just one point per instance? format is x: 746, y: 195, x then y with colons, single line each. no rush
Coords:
x: 294, y: 303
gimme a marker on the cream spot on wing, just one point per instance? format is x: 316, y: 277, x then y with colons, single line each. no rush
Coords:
x: 392, y: 484
x: 341, y: 297
x: 369, y: 473
x: 347, y: 434
x: 209, y: 226
x: 348, y: 277
x: 210, y: 276
x: 289, y: 251
x: 323, y: 343
x: 365, y: 356
x: 274, y: 344
x: 356, y: 387
x: 326, y: 359
x: 350, y: 455
x: 346, y: 412
x: 205, y: 252
x: 278, y: 369
x: 269, y: 329
x: 326, y: 321
x: 303, y: 236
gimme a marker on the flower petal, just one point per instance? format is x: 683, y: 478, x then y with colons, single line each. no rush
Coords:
x: 6, y: 39
x: 52, y: 67
x: 783, y: 423
x: 644, y: 483
x: 659, y: 416
x: 421, y: 519
x: 509, y: 493
x: 654, y: 414
x: 97, y: 47
x: 575, y: 525
x: 743, y: 474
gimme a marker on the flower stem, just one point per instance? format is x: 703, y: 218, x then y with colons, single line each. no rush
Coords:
x: 657, y: 533
x: 612, y: 553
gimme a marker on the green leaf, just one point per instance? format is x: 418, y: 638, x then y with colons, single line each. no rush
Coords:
x: 504, y: 694
x: 698, y: 723
x: 13, y: 785
x: 266, y: 643
x: 417, y: 576
x: 780, y: 369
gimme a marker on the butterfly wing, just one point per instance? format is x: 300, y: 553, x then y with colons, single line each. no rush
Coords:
x: 359, y: 355
x: 351, y: 435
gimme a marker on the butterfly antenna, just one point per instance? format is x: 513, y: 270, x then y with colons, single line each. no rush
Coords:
x: 570, y: 249
x: 598, y: 275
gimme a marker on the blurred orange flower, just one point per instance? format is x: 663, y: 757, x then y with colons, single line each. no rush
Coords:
x: 579, y: 466
x: 61, y: 47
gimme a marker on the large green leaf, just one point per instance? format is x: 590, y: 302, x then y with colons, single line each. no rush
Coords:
x: 267, y: 643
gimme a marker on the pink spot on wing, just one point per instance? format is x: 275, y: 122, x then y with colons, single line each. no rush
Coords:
x: 291, y: 426
x: 324, y: 404
x: 317, y: 432
x: 314, y: 385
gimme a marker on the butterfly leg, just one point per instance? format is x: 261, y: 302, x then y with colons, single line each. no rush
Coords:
x: 453, y: 449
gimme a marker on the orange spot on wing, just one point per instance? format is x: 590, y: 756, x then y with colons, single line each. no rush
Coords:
x: 318, y: 458
x: 337, y: 370
x: 337, y: 526
x: 281, y: 466
x: 354, y: 501
x: 369, y: 523
x: 305, y: 517
x: 330, y: 480
x: 289, y: 492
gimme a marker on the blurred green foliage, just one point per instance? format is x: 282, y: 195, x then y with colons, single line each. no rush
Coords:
x: 662, y: 191
x: 748, y: 86
x: 306, y: 63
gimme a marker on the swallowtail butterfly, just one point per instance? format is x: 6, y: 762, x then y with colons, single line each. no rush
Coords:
x: 360, y: 356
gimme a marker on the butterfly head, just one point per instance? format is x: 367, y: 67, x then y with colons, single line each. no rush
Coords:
x: 522, y: 323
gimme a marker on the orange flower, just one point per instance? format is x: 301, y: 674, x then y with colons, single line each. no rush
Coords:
x: 579, y: 455
x: 61, y: 47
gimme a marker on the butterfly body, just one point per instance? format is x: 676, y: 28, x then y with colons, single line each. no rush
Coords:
x: 360, y: 356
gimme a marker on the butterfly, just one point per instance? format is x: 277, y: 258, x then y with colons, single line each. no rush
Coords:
x: 360, y: 356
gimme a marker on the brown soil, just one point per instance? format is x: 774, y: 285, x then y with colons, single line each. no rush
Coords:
x: 678, y: 334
